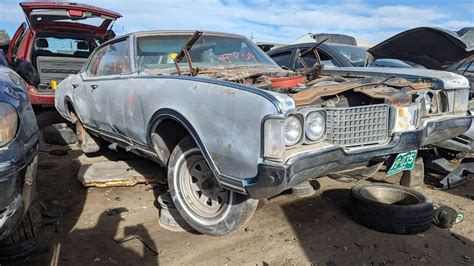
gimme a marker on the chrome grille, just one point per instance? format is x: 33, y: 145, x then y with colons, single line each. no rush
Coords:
x: 357, y: 125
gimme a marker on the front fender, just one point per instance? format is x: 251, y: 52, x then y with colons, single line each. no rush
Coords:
x: 224, y: 118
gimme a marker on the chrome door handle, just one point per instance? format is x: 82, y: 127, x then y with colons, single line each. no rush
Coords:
x: 94, y: 86
x: 75, y: 86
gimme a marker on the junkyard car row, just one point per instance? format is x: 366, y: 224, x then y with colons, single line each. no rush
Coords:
x: 229, y: 124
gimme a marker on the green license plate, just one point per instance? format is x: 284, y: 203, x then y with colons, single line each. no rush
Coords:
x: 404, y: 162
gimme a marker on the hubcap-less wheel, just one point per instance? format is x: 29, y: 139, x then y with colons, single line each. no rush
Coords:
x: 200, y: 200
x: 200, y: 189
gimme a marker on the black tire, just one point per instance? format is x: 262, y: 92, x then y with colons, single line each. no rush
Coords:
x: 233, y: 212
x: 391, y: 208
x: 59, y: 134
x: 26, y: 236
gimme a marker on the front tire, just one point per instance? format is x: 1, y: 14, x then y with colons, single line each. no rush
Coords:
x: 205, y: 205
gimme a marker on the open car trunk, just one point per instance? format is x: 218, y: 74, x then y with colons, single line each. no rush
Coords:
x: 65, y: 35
x: 68, y: 16
x: 56, y: 69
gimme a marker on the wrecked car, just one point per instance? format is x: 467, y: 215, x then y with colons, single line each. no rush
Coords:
x: 232, y: 127
x: 406, y: 55
x: 20, y: 218
x: 432, y: 48
x: 57, y: 39
x: 330, y: 54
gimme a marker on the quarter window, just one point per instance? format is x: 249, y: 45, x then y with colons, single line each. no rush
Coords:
x: 282, y: 59
x: 112, y: 59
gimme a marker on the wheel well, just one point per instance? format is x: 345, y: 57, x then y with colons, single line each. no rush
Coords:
x: 71, y: 111
x: 166, y: 135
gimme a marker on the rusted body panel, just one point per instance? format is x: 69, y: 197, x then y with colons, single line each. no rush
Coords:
x: 238, y: 116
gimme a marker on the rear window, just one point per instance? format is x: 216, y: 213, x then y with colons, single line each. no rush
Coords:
x: 356, y: 55
x: 69, y: 46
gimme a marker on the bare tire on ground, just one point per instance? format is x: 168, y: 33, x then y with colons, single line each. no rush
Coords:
x: 391, y: 208
x: 25, y: 238
x: 198, y: 197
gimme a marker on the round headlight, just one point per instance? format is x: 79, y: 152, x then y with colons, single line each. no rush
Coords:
x: 427, y: 103
x: 8, y: 123
x: 315, y: 125
x: 293, y: 130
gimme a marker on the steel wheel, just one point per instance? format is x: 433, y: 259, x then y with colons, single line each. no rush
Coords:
x: 198, y: 196
x: 201, y: 191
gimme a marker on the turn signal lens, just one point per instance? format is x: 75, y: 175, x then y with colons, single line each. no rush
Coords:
x: 8, y: 123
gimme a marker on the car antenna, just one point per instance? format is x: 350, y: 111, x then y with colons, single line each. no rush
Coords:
x: 185, y: 53
x: 312, y: 49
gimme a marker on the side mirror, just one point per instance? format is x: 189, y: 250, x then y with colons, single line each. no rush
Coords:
x: 28, y: 72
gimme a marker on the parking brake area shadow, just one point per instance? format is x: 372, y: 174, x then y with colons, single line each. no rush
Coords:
x: 327, y: 234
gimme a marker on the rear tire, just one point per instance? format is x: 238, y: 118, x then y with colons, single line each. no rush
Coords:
x: 86, y: 142
x: 198, y: 197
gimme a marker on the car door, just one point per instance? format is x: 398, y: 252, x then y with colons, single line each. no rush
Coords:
x: 101, y: 82
x: 15, y: 42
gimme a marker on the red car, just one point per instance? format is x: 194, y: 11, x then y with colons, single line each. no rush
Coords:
x: 57, y: 39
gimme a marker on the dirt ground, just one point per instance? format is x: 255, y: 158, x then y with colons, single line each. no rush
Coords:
x: 285, y: 230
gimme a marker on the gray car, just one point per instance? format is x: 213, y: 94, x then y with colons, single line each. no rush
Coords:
x: 232, y: 127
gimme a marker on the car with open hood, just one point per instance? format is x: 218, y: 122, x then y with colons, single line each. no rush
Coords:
x: 432, y: 48
x: 20, y: 217
x: 57, y: 38
x: 231, y: 126
x: 419, y: 53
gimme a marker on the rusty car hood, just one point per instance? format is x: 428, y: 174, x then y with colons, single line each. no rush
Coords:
x: 434, y: 48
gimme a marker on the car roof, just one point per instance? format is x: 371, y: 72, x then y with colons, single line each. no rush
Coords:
x: 178, y: 32
x: 298, y: 45
x: 311, y: 44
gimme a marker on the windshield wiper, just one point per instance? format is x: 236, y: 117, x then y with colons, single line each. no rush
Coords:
x: 185, y: 52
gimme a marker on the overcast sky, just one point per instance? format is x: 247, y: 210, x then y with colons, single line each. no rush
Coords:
x: 276, y: 21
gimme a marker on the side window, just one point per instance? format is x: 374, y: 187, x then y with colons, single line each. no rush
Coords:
x: 113, y: 59
x: 310, y: 60
x: 467, y: 67
x: 282, y: 59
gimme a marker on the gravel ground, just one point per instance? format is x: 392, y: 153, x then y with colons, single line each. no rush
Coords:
x: 285, y: 230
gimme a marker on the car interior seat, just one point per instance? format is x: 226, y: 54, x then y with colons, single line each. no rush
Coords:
x: 82, y: 49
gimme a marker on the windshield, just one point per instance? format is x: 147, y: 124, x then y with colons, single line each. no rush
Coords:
x: 158, y: 51
x: 356, y: 55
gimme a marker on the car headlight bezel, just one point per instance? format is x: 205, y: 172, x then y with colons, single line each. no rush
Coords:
x: 9, y: 123
x: 315, y: 117
x: 293, y: 130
